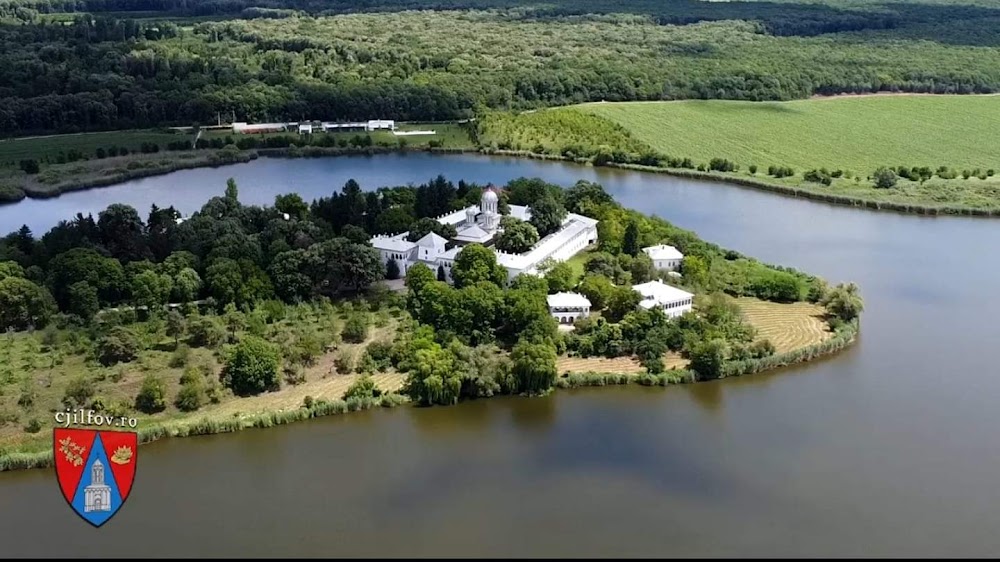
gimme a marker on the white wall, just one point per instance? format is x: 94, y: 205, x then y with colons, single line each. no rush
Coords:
x: 669, y: 265
x: 571, y: 316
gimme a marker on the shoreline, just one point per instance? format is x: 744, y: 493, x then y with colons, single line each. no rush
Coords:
x: 567, y: 380
x: 330, y: 152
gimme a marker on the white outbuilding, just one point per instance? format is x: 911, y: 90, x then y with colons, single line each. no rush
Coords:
x: 671, y: 300
x: 567, y: 307
x: 664, y: 257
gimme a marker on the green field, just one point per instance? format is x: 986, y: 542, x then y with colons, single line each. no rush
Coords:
x: 851, y: 133
x: 48, y: 149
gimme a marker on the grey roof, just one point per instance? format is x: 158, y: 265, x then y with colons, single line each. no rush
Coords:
x: 473, y: 234
x: 432, y: 240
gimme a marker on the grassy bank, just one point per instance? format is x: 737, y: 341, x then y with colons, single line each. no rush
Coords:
x: 51, y: 148
x: 836, y: 143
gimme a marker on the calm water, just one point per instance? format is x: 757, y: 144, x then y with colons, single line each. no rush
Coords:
x: 889, y: 448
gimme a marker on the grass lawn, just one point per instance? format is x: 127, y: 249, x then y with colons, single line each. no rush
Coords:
x: 48, y: 148
x: 850, y: 133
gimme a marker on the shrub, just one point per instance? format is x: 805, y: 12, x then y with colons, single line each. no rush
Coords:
x: 34, y: 426
x: 534, y: 366
x: 206, y: 331
x: 152, y: 396
x: 252, y: 367
x: 364, y: 387
x: 294, y: 374
x: 356, y: 328
x: 762, y: 348
x: 190, y: 397
x: 180, y: 356
x: 78, y: 391
x: 344, y: 362
x: 753, y: 168
x: 119, y: 345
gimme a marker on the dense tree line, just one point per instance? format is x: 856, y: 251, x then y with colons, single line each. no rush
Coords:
x: 111, y: 72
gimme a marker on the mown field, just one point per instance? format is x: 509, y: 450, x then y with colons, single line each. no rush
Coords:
x: 851, y: 133
x: 788, y: 326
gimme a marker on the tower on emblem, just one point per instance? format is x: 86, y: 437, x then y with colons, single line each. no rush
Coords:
x: 97, y: 496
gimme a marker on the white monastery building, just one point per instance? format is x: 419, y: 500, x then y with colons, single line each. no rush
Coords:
x: 671, y: 300
x: 481, y: 224
x: 566, y: 308
x: 664, y: 257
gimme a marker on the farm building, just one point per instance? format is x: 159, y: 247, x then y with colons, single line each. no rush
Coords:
x: 329, y: 127
x: 481, y: 224
x: 305, y: 129
x: 664, y: 257
x: 566, y: 308
x: 377, y: 124
x: 246, y: 128
x: 671, y: 300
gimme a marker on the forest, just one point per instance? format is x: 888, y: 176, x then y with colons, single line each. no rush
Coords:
x: 118, y: 64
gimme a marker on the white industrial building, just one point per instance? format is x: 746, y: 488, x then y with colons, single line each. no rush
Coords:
x: 481, y: 224
x: 664, y: 257
x: 566, y: 308
x: 305, y: 128
x: 671, y: 300
x: 247, y: 128
x: 377, y: 124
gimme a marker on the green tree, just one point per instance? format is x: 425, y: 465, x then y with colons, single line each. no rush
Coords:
x: 24, y: 304
x: 622, y: 301
x: 432, y: 378
x: 547, y: 215
x: 234, y: 320
x: 560, y: 277
x: 844, y: 302
x: 630, y: 242
x: 598, y: 290
x: 252, y: 367
x: 392, y: 269
x: 119, y: 345
x: 642, y: 268
x: 232, y: 192
x: 152, y: 397
x: 186, y: 285
x: 707, y: 358
x: 176, y: 324
x: 10, y: 269
x: 517, y: 237
x: 534, y: 366
x: 884, y: 178
x: 695, y: 271
x: 477, y: 263
x: 356, y: 328
x: 292, y: 205
x: 151, y: 290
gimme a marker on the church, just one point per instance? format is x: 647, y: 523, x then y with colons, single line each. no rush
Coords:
x: 480, y: 224
x: 97, y: 496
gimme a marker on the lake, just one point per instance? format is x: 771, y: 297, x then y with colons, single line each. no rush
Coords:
x: 889, y: 448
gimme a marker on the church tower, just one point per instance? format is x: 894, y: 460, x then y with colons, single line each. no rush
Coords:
x: 97, y: 496
x: 490, y: 206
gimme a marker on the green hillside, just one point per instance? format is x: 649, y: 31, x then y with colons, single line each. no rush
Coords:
x: 852, y: 133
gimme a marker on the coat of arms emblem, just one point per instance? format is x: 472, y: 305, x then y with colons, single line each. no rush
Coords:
x: 95, y: 470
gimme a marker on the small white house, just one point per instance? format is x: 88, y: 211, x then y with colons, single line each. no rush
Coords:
x: 305, y: 129
x: 671, y: 300
x: 567, y: 307
x: 664, y: 257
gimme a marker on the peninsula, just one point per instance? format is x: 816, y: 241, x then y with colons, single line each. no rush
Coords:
x: 245, y: 316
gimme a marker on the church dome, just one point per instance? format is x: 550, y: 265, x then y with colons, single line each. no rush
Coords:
x: 490, y: 196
